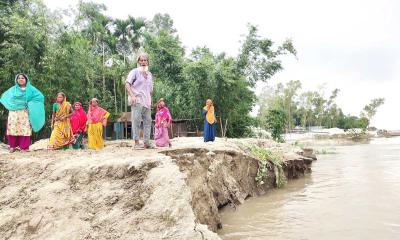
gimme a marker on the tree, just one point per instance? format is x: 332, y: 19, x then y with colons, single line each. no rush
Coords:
x: 161, y: 22
x: 167, y: 64
x: 306, y: 108
x: 166, y: 56
x: 282, y: 97
x: 370, y: 109
x: 25, y: 29
x: 257, y: 60
x: 363, y: 123
x: 72, y: 58
x: 350, y: 122
x: 129, y: 34
x: 94, y: 25
x: 289, y: 93
x: 276, y: 119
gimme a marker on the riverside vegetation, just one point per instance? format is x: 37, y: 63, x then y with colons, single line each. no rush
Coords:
x: 97, y: 51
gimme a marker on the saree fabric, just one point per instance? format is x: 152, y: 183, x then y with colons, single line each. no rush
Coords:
x: 62, y: 135
x: 78, y: 125
x: 163, y: 118
x: 78, y: 119
x: 95, y: 114
x: 210, y: 115
x: 209, y: 129
x: 98, y: 118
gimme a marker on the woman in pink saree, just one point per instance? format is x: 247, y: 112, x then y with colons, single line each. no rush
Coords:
x: 96, y: 119
x: 163, y: 122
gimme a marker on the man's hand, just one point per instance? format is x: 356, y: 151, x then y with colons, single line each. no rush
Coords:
x: 133, y: 100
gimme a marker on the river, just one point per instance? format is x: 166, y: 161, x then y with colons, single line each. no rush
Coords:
x: 353, y: 193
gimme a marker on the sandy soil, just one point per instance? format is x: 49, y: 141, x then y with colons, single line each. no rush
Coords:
x: 122, y: 193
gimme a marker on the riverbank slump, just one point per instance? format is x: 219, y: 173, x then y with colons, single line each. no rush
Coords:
x: 225, y: 177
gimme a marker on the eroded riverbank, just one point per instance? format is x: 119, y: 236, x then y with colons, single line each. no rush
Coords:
x: 119, y: 193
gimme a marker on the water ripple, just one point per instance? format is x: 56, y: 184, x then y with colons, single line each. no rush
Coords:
x: 354, y: 194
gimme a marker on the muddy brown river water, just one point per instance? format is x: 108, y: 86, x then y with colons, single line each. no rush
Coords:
x: 351, y: 194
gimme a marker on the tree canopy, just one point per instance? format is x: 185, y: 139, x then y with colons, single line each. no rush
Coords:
x: 92, y: 55
x: 310, y: 108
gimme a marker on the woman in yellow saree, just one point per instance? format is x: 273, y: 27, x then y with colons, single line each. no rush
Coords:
x: 97, y: 118
x: 61, y: 136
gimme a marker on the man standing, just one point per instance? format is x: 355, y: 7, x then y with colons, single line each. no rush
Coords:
x: 139, y: 85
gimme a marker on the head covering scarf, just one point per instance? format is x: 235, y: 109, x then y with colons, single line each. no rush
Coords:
x: 64, y: 108
x: 210, y: 116
x: 17, y: 98
x: 96, y: 113
x: 78, y: 119
x: 163, y: 115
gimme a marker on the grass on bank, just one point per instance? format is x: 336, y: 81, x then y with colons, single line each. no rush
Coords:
x: 263, y: 155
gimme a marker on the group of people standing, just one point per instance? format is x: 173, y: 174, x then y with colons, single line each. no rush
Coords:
x: 70, y: 122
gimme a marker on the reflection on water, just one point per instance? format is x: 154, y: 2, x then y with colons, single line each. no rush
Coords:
x: 353, y: 194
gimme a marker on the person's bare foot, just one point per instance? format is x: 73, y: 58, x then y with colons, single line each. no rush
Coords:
x: 138, y: 146
x: 148, y: 146
x: 12, y: 150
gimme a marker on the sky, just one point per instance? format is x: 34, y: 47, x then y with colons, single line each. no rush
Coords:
x: 352, y: 45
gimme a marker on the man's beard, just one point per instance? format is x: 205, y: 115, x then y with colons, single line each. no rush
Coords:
x: 144, y: 68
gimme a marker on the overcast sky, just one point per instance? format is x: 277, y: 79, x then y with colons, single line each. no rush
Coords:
x: 352, y: 45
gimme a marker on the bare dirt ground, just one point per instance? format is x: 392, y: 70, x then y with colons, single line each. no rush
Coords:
x: 122, y: 193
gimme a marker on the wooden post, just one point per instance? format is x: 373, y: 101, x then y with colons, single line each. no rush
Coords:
x: 220, y: 124
x: 115, y: 97
x: 226, y: 124
x: 126, y: 118
x: 103, y: 70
